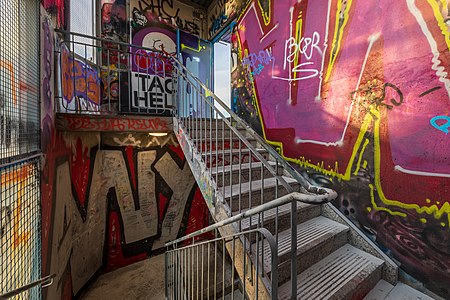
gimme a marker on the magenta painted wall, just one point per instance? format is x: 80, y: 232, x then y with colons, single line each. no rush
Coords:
x: 356, y: 95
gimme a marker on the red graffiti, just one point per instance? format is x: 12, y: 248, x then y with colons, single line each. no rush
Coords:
x: 115, y: 258
x: 69, y: 122
x: 80, y: 172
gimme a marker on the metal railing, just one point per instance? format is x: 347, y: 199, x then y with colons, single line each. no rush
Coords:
x: 236, y: 169
x: 180, y: 264
x: 43, y: 282
x: 242, y: 169
x: 213, y: 268
x: 100, y: 76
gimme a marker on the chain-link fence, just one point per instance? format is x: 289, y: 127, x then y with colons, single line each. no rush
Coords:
x: 20, y: 254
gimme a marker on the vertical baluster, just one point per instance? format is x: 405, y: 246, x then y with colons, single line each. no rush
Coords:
x: 233, y: 261
x: 223, y: 268
x: 240, y: 183
x: 245, y: 268
x: 294, y: 247
x: 223, y: 158
x: 209, y: 271
x: 197, y: 287
x: 257, y: 264
x: 166, y: 275
x: 215, y: 267
x: 202, y: 271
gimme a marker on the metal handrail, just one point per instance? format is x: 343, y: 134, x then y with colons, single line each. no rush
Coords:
x: 246, y: 142
x: 180, y: 264
x: 295, y: 196
x: 297, y: 176
x: 44, y: 282
x: 115, y: 61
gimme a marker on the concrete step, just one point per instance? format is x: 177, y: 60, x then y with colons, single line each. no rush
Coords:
x: 305, y: 212
x: 347, y: 273
x: 241, y: 172
x: 233, y: 156
x: 219, y: 144
x: 208, y: 123
x: 386, y: 291
x: 380, y: 291
x: 219, y: 133
x: 253, y: 193
x: 316, y: 238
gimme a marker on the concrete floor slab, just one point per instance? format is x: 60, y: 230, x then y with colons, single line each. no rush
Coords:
x: 143, y: 280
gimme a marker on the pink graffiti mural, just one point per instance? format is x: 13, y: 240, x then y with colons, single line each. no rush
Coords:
x: 321, y: 59
x: 357, y: 90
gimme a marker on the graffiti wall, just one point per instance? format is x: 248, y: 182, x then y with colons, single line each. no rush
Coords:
x: 219, y: 12
x: 356, y: 95
x: 80, y: 84
x: 175, y: 14
x: 110, y: 199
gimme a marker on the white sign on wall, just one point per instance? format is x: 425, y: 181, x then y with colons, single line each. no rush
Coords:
x: 151, y: 91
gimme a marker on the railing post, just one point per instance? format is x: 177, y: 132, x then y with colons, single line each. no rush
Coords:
x: 294, y: 249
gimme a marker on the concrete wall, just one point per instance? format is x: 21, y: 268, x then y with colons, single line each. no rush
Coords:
x: 108, y: 199
x: 356, y: 95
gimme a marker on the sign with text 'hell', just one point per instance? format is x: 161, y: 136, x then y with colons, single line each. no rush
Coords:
x: 151, y: 91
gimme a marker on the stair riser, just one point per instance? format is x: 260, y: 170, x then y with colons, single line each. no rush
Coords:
x: 219, y: 145
x: 284, y: 220
x: 224, y: 179
x: 221, y: 159
x: 267, y: 195
x: 197, y: 133
x: 363, y: 288
x: 210, y: 123
x: 310, y: 257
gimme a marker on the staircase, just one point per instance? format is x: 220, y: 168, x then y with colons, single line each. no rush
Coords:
x: 240, y: 174
x: 276, y: 235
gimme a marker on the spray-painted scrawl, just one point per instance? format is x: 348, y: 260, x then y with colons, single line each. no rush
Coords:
x: 360, y: 102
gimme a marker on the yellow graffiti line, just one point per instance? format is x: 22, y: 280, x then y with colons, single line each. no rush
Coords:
x: 369, y: 117
x: 198, y: 49
x: 378, y: 208
x: 358, y: 165
x: 266, y: 16
x: 440, y: 19
x: 338, y: 31
x: 298, y: 36
x: 335, y: 172
x: 433, y: 209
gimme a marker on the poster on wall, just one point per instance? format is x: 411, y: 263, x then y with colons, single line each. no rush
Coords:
x: 149, y: 93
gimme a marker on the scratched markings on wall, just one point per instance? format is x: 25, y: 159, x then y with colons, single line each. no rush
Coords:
x: 361, y: 101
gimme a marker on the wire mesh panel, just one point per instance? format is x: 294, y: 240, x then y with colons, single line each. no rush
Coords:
x: 20, y: 254
x: 19, y: 78
x: 20, y: 228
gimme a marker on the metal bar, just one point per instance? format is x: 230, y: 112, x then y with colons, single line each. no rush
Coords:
x: 248, y: 213
x: 44, y: 282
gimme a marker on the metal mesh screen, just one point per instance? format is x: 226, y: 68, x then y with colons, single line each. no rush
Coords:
x: 20, y: 228
x: 20, y: 255
x: 19, y: 78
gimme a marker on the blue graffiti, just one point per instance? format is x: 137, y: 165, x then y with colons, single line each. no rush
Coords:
x: 263, y: 57
x: 444, y: 126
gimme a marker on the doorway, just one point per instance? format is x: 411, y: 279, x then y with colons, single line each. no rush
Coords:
x: 222, y: 69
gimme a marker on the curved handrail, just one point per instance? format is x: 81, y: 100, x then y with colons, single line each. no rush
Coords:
x: 44, y: 282
x: 295, y: 196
